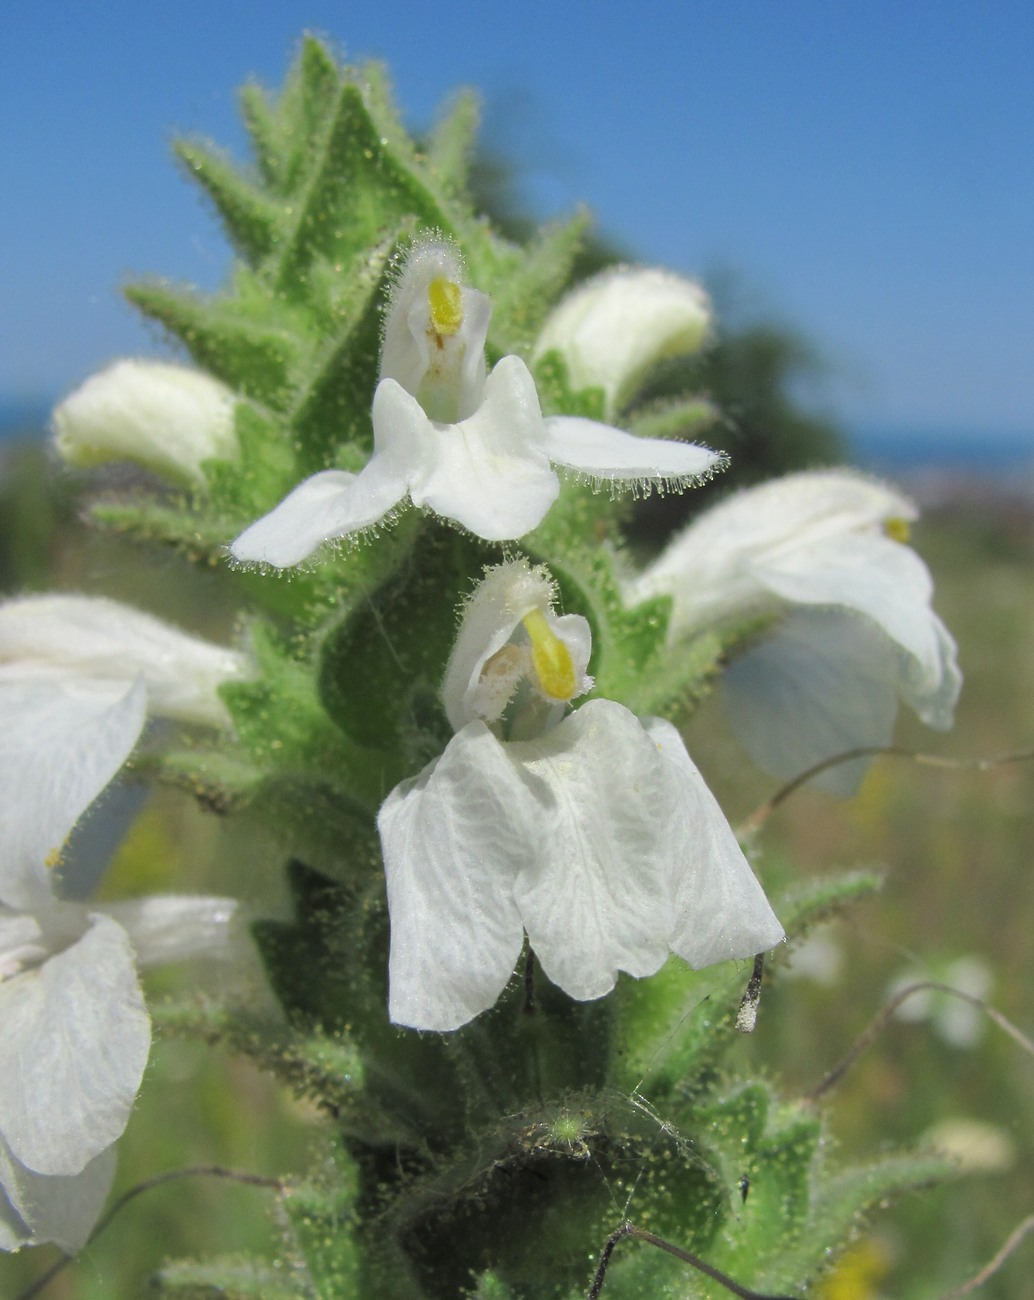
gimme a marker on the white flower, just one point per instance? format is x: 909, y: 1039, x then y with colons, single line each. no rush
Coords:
x: 825, y: 550
x: 593, y: 832
x: 470, y: 447
x: 74, y: 1034
x: 955, y: 1020
x: 166, y: 417
x: 614, y: 328
x: 93, y: 637
x: 976, y: 1146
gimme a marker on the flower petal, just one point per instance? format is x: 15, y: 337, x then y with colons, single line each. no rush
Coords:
x: 594, y: 893
x: 58, y: 1208
x: 891, y: 585
x: 615, y: 456
x: 933, y: 688
x: 21, y: 942
x: 95, y: 840
x: 75, y: 1042
x: 166, y: 928
x: 105, y: 638
x: 866, y: 572
x: 490, y: 472
x: 822, y: 683
x: 63, y: 739
x: 720, y: 909
x: 453, y: 840
x: 713, y: 569
x: 326, y: 506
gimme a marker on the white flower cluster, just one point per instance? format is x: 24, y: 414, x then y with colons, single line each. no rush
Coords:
x: 78, y: 679
x: 587, y: 830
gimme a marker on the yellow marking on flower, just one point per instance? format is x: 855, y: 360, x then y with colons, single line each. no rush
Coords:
x: 897, y: 529
x: 53, y: 858
x: 551, y: 658
x: 445, y: 299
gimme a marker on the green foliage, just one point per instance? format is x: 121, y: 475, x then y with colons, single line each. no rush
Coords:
x: 688, y: 417
x: 678, y: 1024
x: 321, y: 1219
x: 485, y: 1150
x: 382, y: 664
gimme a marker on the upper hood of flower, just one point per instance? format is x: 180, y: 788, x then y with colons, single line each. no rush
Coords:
x: 508, y: 635
x: 726, y: 562
x: 434, y: 332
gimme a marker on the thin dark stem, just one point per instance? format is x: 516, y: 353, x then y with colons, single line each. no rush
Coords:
x: 630, y: 1230
x: 625, y: 1230
x: 195, y: 1171
x: 758, y: 818
x: 880, y: 1021
x: 991, y: 1268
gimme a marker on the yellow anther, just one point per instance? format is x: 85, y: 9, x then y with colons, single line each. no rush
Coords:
x: 552, y: 661
x: 897, y: 529
x: 445, y: 300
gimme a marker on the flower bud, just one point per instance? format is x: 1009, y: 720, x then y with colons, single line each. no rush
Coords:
x: 100, y: 638
x: 614, y: 328
x: 168, y: 418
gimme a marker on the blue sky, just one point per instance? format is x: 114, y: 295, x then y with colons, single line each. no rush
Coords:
x: 867, y: 168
